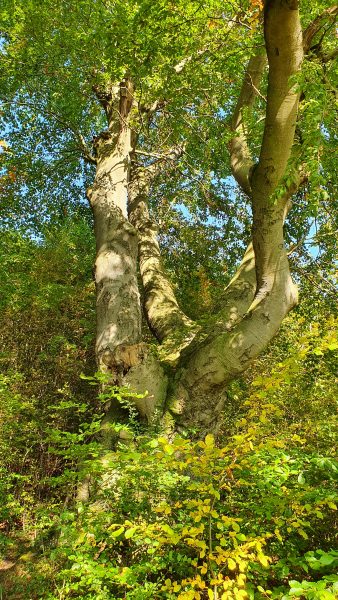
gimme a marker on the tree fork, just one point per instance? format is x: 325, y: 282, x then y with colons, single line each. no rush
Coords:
x: 224, y: 352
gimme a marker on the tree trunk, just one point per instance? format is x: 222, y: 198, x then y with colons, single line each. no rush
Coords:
x: 200, y: 362
x: 120, y: 352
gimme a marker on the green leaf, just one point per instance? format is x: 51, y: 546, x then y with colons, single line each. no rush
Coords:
x: 130, y: 532
x: 117, y: 532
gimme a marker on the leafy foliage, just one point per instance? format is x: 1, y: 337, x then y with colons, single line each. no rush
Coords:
x: 252, y: 516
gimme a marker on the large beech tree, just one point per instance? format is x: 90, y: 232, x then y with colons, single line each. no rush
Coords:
x: 111, y: 94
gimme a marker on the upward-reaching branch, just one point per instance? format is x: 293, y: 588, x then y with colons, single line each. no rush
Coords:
x: 240, y: 155
x: 243, y: 330
x: 163, y: 313
x: 283, y: 41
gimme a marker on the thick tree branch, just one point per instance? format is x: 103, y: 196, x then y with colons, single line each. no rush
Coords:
x: 218, y: 360
x: 178, y: 68
x: 239, y: 294
x: 283, y: 40
x: 164, y: 316
x: 220, y: 352
x: 240, y: 156
x: 117, y: 102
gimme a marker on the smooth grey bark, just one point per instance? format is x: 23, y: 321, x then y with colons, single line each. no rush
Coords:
x: 240, y: 156
x: 284, y: 47
x: 120, y: 352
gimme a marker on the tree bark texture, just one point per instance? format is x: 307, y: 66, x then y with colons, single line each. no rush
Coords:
x: 117, y: 302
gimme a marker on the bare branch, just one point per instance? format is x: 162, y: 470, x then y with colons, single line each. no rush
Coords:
x: 171, y: 154
x: 185, y: 61
x: 256, y: 89
x: 87, y: 155
x: 65, y: 125
x: 151, y: 154
x: 179, y: 67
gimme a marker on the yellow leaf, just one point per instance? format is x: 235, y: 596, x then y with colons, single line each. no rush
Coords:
x: 278, y: 535
x: 241, y: 579
x: 231, y: 564
x: 263, y: 560
x: 209, y: 441
x: 130, y: 532
x: 303, y: 534
x: 117, y: 532
x: 210, y: 594
x: 242, y: 565
x: 186, y: 595
x: 80, y: 539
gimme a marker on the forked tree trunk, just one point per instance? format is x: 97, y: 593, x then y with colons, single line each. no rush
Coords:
x: 199, y: 363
